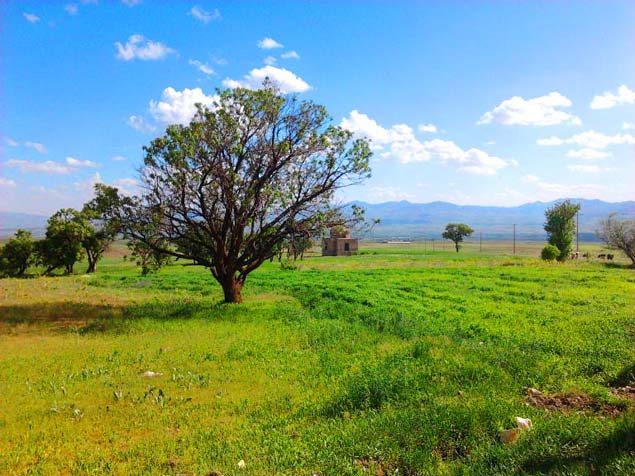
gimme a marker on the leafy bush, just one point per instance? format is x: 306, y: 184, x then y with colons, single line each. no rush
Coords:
x: 550, y: 253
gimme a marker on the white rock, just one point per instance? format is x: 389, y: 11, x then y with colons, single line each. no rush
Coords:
x: 523, y: 423
x: 150, y: 373
x: 242, y: 464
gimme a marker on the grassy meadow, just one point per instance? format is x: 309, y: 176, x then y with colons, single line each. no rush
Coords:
x: 397, y: 361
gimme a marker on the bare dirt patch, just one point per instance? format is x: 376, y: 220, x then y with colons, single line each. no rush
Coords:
x: 572, y: 402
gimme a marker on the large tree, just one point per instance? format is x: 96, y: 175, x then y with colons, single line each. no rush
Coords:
x: 62, y: 245
x: 248, y: 173
x: 560, y: 226
x: 456, y: 232
x: 17, y: 254
x: 100, y: 233
x: 619, y: 234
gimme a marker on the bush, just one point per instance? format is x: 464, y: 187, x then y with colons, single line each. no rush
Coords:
x: 550, y: 253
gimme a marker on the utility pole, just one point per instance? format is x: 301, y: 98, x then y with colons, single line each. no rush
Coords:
x: 577, y: 231
x: 480, y: 241
x: 514, y: 238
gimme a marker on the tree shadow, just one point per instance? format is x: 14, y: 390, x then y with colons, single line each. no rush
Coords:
x: 89, y: 318
x: 613, y: 265
x: 596, y: 456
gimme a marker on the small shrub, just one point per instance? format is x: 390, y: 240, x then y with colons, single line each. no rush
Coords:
x: 550, y: 253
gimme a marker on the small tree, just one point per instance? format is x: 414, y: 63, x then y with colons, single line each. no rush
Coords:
x: 251, y: 171
x: 62, y: 246
x: 550, y: 253
x: 560, y: 227
x: 17, y: 253
x: 456, y: 232
x: 100, y: 233
x: 618, y: 234
x: 149, y: 258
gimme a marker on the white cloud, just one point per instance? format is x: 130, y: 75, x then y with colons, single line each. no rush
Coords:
x: 73, y: 162
x: 282, y: 78
x: 71, y: 8
x: 607, y: 99
x: 592, y: 139
x: 428, y: 128
x: 202, y: 67
x: 540, y: 111
x: 88, y: 185
x: 269, y: 44
x: 204, y: 16
x: 178, y: 107
x: 400, y: 143
x: 118, y: 158
x: 127, y: 186
x: 529, y: 178
x: 140, y: 48
x: 587, y: 154
x: 131, y: 3
x: 48, y: 167
x: 628, y: 126
x: 31, y: 18
x: 36, y: 146
x: 7, y: 182
x: 556, y: 190
x: 270, y: 60
x: 290, y: 55
x: 490, y: 142
x: 387, y: 194
x: 10, y: 142
x: 140, y: 124
x: 588, y: 168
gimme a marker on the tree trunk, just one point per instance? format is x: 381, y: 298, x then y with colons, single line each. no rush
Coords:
x: 232, y: 289
x: 456, y: 244
x: 92, y: 266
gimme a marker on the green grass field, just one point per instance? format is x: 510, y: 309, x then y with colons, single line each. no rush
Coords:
x: 395, y: 361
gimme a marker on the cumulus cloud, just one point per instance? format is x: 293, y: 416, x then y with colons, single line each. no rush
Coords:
x: 290, y: 55
x: 178, y: 107
x: 540, y: 111
x: 587, y: 154
x: 428, y: 128
x: 31, y: 18
x: 138, y: 47
x: 36, y: 146
x: 202, y: 67
x: 607, y: 99
x: 71, y: 8
x: 204, y: 16
x: 139, y: 123
x: 590, y: 139
x: 127, y: 186
x: 73, y: 162
x: 10, y: 142
x: 269, y: 44
x: 48, y: 167
x: 7, y: 182
x: 282, y: 78
x: 400, y: 143
x: 628, y: 126
x: 270, y: 60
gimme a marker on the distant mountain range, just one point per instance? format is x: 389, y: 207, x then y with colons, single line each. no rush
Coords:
x: 406, y: 220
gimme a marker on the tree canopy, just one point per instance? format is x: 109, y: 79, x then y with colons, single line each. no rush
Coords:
x: 560, y: 227
x: 251, y: 171
x: 456, y: 232
x: 619, y: 234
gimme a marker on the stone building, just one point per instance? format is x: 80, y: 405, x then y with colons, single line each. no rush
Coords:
x: 339, y: 243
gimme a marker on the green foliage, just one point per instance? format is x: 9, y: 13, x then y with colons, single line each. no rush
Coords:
x: 17, y: 254
x: 550, y: 253
x: 560, y: 227
x: 619, y: 234
x: 457, y: 232
x: 62, y: 246
x: 150, y: 258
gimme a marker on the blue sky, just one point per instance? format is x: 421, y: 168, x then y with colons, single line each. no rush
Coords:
x: 496, y: 103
